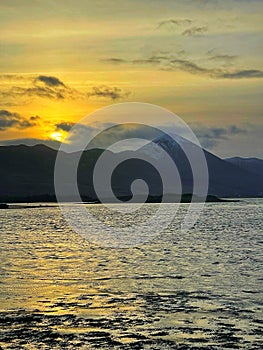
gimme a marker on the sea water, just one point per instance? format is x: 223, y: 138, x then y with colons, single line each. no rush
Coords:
x: 198, y: 289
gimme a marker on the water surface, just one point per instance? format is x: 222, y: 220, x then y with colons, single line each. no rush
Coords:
x: 197, y: 290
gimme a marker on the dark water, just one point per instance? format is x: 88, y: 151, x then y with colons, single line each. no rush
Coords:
x: 197, y: 290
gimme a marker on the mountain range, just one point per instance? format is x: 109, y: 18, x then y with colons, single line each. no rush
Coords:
x: 27, y: 171
x: 253, y: 165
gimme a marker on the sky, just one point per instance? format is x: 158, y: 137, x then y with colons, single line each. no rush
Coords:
x: 200, y: 59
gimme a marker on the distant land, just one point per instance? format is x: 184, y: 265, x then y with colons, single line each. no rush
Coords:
x: 185, y: 198
x: 252, y: 165
x: 26, y: 174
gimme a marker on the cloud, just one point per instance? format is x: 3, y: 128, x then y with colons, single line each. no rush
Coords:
x: 218, y: 73
x: 190, y: 67
x: 210, y: 137
x: 172, y: 62
x: 34, y: 118
x: 104, y: 91
x: 169, y: 62
x: 114, y: 60
x: 39, y: 91
x: 50, y: 81
x: 224, y: 58
x: 154, y: 59
x: 150, y: 60
x: 102, y: 135
x: 50, y: 87
x: 195, y: 31
x: 65, y: 126
x: 243, y: 74
x: 14, y: 120
x: 10, y: 77
x: 42, y: 86
x: 174, y: 23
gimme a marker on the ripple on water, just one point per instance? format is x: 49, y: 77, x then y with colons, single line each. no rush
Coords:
x: 200, y: 290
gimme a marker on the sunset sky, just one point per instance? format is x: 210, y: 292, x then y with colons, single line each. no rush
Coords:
x: 201, y: 59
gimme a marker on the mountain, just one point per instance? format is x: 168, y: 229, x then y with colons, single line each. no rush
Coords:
x: 253, y: 165
x: 225, y: 179
x: 28, y: 171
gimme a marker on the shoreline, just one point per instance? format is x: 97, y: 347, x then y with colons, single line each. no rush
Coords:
x: 24, y: 203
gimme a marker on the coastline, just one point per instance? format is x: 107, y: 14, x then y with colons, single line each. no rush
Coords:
x: 14, y: 202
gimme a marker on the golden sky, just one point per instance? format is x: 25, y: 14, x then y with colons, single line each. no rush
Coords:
x: 201, y: 59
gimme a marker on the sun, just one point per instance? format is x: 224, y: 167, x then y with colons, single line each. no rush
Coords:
x: 57, y: 136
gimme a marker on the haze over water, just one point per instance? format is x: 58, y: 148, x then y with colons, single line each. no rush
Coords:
x: 198, y: 290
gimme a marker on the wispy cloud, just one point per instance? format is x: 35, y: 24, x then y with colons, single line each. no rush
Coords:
x: 195, y: 31
x: 189, y: 29
x: 223, y: 57
x: 51, y: 87
x: 41, y: 86
x: 104, y: 91
x: 175, y: 62
x: 114, y: 60
x: 190, y: 67
x: 193, y: 68
x: 218, y: 73
x: 174, y: 23
x: 11, y: 77
x: 209, y: 137
x: 14, y: 120
x: 150, y: 60
x: 243, y: 74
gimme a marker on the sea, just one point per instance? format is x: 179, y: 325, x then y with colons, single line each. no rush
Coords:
x: 194, y: 289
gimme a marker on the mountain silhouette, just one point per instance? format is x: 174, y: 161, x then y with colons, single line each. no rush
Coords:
x: 28, y: 171
x: 253, y: 165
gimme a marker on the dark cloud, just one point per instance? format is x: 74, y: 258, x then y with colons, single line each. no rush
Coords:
x: 50, y: 87
x: 102, y: 135
x: 14, y: 120
x: 224, y: 58
x: 233, y: 129
x: 189, y: 66
x: 34, y: 118
x: 209, y: 137
x: 171, y: 62
x: 114, y: 60
x: 39, y: 91
x: 219, y: 73
x: 154, y: 59
x: 173, y: 23
x: 104, y: 91
x: 65, y: 126
x: 243, y: 74
x: 150, y: 60
x: 50, y: 81
x: 43, y: 86
x: 195, y: 31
